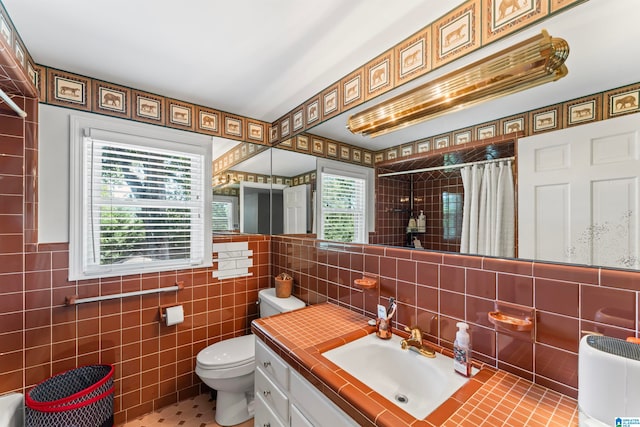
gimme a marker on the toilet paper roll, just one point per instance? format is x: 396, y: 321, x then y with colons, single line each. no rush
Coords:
x: 174, y: 315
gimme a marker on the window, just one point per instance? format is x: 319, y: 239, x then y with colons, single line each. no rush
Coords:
x: 225, y: 213
x: 139, y: 205
x: 344, y: 203
x: 451, y: 215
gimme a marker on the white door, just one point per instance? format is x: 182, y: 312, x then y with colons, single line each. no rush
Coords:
x: 578, y: 194
x: 295, y: 209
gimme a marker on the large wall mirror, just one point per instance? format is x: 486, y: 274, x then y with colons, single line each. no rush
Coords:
x: 593, y: 32
x: 265, y: 190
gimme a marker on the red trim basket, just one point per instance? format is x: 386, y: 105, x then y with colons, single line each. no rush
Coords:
x: 78, y: 397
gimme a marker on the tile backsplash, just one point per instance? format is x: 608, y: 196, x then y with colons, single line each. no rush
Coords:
x: 435, y: 290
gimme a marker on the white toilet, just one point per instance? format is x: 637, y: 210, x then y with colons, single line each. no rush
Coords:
x: 228, y: 366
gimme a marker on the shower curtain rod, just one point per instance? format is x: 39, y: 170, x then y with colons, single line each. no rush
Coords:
x: 13, y: 105
x: 436, y: 168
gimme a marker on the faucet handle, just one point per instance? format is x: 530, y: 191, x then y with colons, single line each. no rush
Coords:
x: 416, y: 333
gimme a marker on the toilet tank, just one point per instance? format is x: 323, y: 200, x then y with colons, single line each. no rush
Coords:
x: 270, y: 304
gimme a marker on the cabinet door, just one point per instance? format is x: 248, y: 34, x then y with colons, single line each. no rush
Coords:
x: 264, y: 416
x: 315, y: 406
x: 297, y: 419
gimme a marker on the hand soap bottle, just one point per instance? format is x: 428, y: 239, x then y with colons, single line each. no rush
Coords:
x: 462, y: 350
x: 422, y: 222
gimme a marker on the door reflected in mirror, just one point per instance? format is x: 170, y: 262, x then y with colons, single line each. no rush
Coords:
x: 269, y: 191
x: 261, y: 208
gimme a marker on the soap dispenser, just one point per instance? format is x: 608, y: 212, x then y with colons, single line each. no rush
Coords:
x: 422, y: 222
x: 462, y: 350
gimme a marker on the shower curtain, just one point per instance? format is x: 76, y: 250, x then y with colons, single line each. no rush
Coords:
x: 489, y: 210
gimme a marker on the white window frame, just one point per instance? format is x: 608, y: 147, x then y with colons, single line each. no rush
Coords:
x: 235, y: 217
x: 141, y: 135
x: 344, y: 169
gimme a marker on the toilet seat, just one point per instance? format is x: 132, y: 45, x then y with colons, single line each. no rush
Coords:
x: 229, y: 353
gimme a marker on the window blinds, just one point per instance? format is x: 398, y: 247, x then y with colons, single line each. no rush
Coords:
x: 143, y: 205
x: 343, y: 207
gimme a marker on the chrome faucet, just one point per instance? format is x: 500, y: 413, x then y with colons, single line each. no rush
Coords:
x: 414, y: 342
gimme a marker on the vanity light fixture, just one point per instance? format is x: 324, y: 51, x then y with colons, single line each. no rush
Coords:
x: 530, y: 63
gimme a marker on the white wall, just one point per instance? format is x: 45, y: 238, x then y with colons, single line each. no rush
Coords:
x: 53, y: 166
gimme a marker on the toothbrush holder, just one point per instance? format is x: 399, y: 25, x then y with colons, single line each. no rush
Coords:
x: 383, y: 328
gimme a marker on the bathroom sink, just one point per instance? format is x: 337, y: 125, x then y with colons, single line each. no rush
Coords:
x: 415, y: 383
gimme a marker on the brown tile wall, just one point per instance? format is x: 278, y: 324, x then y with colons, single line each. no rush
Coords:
x: 40, y: 336
x: 393, y: 209
x: 436, y: 290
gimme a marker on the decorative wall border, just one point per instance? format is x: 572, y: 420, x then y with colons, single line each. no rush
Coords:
x: 69, y: 90
x: 15, y: 61
x: 465, y: 29
x: 457, y: 33
x: 379, y: 75
x: 305, y: 143
x: 208, y: 121
x: 231, y: 175
x: 574, y: 112
x: 413, y: 56
x: 111, y: 100
x: 236, y: 155
x: 147, y: 108
x: 507, y: 16
x: 62, y: 88
x: 625, y: 100
x: 180, y: 115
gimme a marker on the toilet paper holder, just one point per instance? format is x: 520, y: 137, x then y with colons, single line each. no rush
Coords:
x: 163, y: 311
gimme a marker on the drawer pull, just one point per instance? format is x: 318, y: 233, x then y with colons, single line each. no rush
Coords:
x: 266, y: 425
x: 266, y: 364
x: 266, y: 393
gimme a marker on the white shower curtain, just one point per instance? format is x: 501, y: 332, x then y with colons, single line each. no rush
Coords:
x: 488, y: 210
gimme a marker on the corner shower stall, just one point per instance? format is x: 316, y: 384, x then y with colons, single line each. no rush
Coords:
x: 466, y: 193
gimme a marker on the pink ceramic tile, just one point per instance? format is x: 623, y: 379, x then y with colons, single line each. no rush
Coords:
x: 557, y: 296
x: 515, y: 289
x: 558, y: 331
x: 557, y: 365
x: 452, y: 278
x: 610, y: 306
x: 481, y: 283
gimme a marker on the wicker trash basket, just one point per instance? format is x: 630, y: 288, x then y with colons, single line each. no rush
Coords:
x: 284, y: 285
x: 78, y: 397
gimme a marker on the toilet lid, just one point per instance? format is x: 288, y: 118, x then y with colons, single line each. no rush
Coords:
x: 228, y: 353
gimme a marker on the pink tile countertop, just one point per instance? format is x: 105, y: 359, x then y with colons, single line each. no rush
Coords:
x: 491, y: 398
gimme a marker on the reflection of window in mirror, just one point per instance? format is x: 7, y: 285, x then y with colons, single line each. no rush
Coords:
x: 225, y: 213
x: 344, y: 202
x: 451, y: 216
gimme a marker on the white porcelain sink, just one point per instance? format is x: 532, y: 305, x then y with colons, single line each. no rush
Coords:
x: 413, y: 382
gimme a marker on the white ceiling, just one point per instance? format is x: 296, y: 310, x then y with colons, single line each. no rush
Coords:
x: 263, y: 58
x: 256, y: 58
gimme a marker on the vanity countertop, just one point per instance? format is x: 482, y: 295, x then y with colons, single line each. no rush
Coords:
x: 492, y: 397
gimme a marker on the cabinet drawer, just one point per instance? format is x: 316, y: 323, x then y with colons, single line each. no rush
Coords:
x: 271, y: 394
x: 315, y: 406
x: 272, y: 364
x: 264, y: 416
